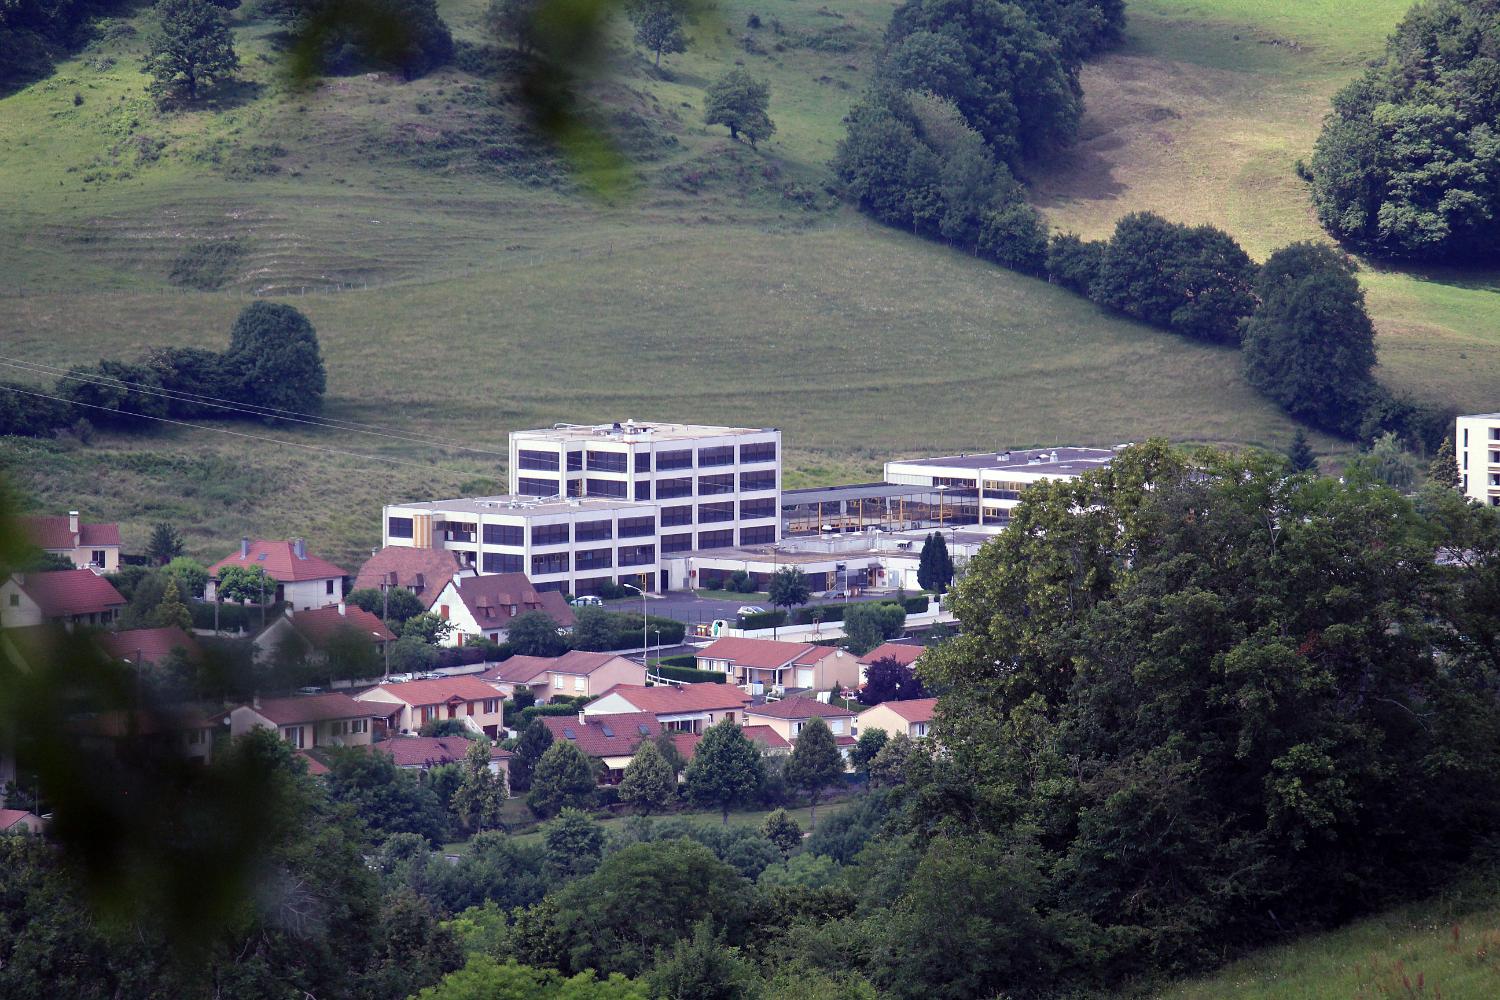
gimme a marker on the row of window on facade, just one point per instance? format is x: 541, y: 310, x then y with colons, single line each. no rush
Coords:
x: 543, y: 564
x: 297, y: 735
x: 666, y: 489
x: 594, y: 460
x: 513, y: 535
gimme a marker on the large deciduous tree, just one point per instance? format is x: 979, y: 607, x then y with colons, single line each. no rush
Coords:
x: 815, y: 763
x: 658, y: 26
x: 1406, y: 164
x: 535, y: 633
x: 1310, y: 347
x: 738, y: 101
x: 480, y: 792
x: 563, y: 777
x: 190, y: 49
x: 726, y: 769
x: 1193, y: 732
x: 274, y: 360
x: 649, y: 783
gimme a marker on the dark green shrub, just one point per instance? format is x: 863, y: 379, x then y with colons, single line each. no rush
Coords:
x: 763, y: 619
x: 690, y: 675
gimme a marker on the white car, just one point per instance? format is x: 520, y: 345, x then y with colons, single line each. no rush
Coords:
x: 750, y: 609
x: 587, y: 601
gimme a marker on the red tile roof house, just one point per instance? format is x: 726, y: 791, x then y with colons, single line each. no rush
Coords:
x: 407, y: 707
x: 302, y: 579
x: 913, y: 717
x: 767, y: 666
x: 187, y: 728
x: 612, y: 739
x: 426, y: 752
x: 903, y: 653
x: 688, y: 708
x: 575, y: 673
x: 424, y: 572
x: 484, y: 605
x: 150, y: 645
x: 20, y: 821
x: 315, y: 628
x: 319, y: 720
x: 89, y: 546
x: 68, y: 597
x: 787, y: 717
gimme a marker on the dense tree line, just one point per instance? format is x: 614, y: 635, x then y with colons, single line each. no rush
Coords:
x: 272, y: 364
x: 335, y: 36
x: 35, y: 32
x: 963, y: 94
x: 1408, y: 163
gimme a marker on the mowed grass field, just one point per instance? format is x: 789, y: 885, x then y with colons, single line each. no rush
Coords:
x: 1448, y: 949
x: 1202, y: 116
x: 462, y: 287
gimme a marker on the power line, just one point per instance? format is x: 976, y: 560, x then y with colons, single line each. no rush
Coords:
x: 217, y: 402
x: 238, y: 434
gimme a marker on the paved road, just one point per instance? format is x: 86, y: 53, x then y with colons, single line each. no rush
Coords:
x: 685, y: 606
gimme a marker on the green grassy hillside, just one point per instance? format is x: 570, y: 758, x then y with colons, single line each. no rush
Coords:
x: 1202, y: 116
x: 1446, y: 950
x: 462, y: 286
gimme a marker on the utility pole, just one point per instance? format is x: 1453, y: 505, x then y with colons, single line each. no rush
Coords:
x: 385, y: 613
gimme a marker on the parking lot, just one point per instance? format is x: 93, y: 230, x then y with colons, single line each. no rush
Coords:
x: 688, y: 607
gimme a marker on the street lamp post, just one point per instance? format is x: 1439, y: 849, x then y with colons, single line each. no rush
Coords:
x: 657, y: 632
x: 645, y: 646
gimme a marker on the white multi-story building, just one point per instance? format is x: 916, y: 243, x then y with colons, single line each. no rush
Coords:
x: 1477, y: 445
x: 715, y: 486
x: 570, y: 545
x: 590, y: 504
x: 984, y: 488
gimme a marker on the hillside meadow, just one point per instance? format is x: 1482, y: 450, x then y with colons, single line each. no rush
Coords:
x: 463, y: 285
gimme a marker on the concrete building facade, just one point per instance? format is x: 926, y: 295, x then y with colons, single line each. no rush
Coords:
x: 591, y: 504
x: 1476, y: 444
x: 983, y: 489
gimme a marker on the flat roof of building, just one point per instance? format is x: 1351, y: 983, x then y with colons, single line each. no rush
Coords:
x: 854, y: 491
x: 1068, y: 461
x: 637, y: 430
x: 507, y: 503
x: 1479, y: 416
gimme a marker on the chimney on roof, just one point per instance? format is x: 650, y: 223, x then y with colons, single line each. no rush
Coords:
x: 299, y: 548
x: 244, y: 546
x: 343, y: 610
x: 73, y: 521
x: 255, y: 701
x: 1054, y: 456
x: 583, y: 720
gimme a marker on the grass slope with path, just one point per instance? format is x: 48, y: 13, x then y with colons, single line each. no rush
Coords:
x: 463, y: 287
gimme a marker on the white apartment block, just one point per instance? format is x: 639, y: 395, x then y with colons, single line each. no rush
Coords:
x: 983, y: 489
x: 590, y: 504
x: 566, y: 545
x: 1476, y: 442
x: 715, y: 486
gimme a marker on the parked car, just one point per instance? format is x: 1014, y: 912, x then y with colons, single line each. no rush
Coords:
x: 310, y: 690
x: 751, y: 609
x: 431, y: 675
x: 587, y: 601
x: 833, y: 594
x: 401, y: 678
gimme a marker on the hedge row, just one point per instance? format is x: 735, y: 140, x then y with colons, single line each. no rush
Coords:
x: 690, y: 675
x: 233, y: 617
x: 560, y: 707
x: 763, y: 619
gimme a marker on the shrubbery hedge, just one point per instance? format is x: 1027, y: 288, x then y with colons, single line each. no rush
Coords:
x: 690, y: 675
x: 763, y: 619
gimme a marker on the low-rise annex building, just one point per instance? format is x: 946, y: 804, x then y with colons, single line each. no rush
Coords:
x: 1476, y: 445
